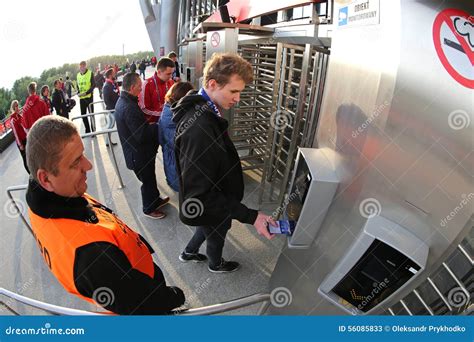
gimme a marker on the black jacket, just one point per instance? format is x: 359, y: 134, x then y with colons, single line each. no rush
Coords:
x: 139, y: 139
x: 60, y: 104
x: 99, y: 80
x: 110, y: 96
x: 102, y: 264
x: 208, y: 165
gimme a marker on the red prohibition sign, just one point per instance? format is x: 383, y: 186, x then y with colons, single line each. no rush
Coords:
x: 215, y: 39
x: 447, y: 17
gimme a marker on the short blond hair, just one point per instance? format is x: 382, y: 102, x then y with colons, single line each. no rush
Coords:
x: 222, y: 66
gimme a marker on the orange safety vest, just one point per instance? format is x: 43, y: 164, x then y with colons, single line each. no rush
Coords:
x: 58, y: 240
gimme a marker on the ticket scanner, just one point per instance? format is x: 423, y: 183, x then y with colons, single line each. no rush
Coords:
x: 384, y: 259
x: 311, y: 192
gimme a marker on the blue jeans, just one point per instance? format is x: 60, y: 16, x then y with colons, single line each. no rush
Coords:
x: 215, y: 237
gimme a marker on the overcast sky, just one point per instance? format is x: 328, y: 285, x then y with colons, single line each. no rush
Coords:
x: 36, y: 35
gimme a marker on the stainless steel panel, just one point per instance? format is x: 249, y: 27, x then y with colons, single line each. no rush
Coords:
x: 386, y: 113
x: 152, y: 18
x: 169, y: 25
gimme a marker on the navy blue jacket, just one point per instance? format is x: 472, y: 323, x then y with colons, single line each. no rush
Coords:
x: 139, y: 139
x: 167, y: 130
x: 109, y: 93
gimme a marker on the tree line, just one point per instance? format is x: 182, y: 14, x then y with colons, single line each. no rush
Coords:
x: 19, y: 90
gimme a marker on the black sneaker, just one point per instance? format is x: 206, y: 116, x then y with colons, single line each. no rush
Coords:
x: 164, y: 201
x: 194, y: 257
x: 225, y: 267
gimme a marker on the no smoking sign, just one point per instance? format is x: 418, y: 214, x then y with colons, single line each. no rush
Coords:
x: 215, y: 39
x: 453, y: 37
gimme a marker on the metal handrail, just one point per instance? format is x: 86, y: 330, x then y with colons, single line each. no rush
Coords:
x: 10, y: 189
x: 226, y: 306
x: 51, y: 308
x: 59, y: 310
x: 93, y: 103
x: 108, y: 131
x: 205, y: 310
x: 90, y: 110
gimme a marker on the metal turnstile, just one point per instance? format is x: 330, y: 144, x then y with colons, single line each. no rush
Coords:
x: 299, y: 88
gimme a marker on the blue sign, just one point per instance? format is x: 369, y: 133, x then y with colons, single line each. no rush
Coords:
x: 343, y: 14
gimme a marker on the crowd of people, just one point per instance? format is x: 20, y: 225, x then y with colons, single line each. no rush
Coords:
x: 90, y: 247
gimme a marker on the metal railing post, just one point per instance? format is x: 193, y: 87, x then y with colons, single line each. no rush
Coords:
x: 108, y: 131
x: 10, y: 189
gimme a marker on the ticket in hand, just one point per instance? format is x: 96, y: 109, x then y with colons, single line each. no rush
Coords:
x: 282, y: 227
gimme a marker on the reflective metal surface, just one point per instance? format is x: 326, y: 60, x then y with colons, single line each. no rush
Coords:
x: 388, y: 113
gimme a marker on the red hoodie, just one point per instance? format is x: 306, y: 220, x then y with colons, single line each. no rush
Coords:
x: 33, y: 109
x: 18, y: 130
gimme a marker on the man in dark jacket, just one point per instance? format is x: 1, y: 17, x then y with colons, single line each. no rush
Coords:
x: 140, y: 144
x: 176, y: 75
x: 110, y: 90
x: 99, y: 82
x: 110, y: 93
x: 59, y: 100
x: 88, y: 248
x: 142, y: 68
x: 133, y: 67
x: 210, y: 175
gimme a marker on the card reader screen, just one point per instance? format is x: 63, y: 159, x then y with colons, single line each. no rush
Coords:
x: 299, y: 191
x: 379, y: 272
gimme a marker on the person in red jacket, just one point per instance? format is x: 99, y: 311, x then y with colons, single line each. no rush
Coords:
x: 152, y: 97
x: 18, y: 131
x: 34, y: 108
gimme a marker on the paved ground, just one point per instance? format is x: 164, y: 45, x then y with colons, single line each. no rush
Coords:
x: 22, y: 268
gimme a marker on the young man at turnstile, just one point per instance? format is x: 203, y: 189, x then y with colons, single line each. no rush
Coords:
x: 210, y: 175
x: 90, y: 251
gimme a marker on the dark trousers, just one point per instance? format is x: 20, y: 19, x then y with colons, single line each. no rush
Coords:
x: 150, y: 193
x: 23, y: 156
x: 142, y: 73
x: 84, y: 108
x: 215, y: 239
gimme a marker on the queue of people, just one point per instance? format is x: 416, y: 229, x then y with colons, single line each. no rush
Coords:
x: 200, y: 163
